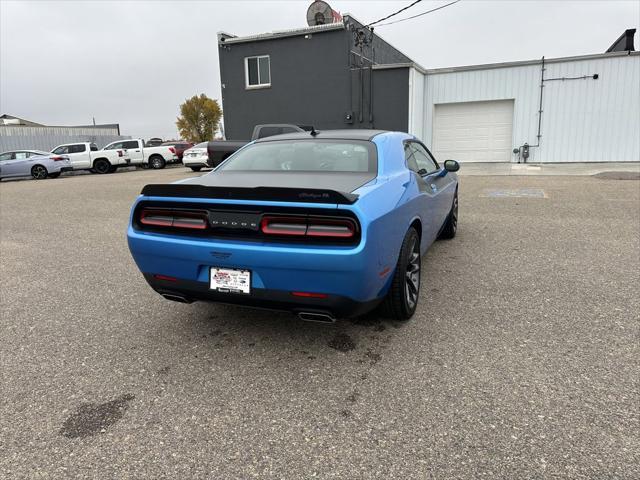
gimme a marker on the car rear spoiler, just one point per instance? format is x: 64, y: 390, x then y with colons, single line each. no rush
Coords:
x: 275, y: 194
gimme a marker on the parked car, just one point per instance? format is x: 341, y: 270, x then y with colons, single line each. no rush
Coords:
x: 139, y: 154
x: 196, y: 157
x: 180, y: 147
x: 86, y: 156
x: 220, y: 150
x: 34, y: 163
x: 324, y: 225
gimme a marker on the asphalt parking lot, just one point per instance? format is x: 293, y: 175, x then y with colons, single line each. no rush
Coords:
x: 523, y: 360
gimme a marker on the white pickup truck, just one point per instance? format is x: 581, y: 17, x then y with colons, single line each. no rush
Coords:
x: 154, y: 157
x: 86, y: 156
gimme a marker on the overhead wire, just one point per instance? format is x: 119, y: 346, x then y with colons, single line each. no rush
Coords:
x: 416, y: 16
x: 394, y: 14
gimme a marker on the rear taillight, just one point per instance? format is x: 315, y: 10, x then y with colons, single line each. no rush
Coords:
x: 173, y: 218
x: 309, y: 227
x: 172, y: 150
x: 57, y: 159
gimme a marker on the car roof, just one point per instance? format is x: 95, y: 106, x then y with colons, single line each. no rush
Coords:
x: 345, y: 134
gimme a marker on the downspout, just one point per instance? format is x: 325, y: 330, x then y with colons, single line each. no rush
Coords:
x: 540, y: 108
x: 373, y: 50
x: 523, y: 150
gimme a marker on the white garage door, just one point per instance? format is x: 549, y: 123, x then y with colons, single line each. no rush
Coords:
x: 473, y: 131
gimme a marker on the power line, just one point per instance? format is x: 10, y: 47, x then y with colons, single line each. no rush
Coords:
x: 419, y: 15
x: 395, y: 13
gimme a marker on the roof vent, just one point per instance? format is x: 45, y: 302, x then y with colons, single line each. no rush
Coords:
x: 624, y: 43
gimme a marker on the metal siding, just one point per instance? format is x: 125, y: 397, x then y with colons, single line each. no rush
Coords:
x: 47, y: 138
x: 582, y: 121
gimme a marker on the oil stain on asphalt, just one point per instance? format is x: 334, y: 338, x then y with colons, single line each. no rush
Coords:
x: 92, y: 418
x: 342, y: 342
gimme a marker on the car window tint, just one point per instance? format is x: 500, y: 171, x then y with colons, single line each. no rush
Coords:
x: 423, y: 159
x: 77, y: 148
x: 306, y: 156
x: 61, y: 150
x: 93, y: 147
x: 410, y: 158
x: 130, y: 144
x: 5, y: 156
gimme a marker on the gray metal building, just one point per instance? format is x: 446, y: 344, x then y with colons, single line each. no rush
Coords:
x: 20, y: 134
x: 341, y: 75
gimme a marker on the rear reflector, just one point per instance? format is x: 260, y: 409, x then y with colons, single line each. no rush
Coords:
x: 166, y: 278
x: 310, y: 227
x: 175, y: 219
x: 309, y: 295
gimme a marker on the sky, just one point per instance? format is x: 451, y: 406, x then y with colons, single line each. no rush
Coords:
x: 134, y: 62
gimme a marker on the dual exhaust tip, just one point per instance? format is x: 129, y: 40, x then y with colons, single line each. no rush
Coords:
x: 176, y: 298
x: 318, y: 317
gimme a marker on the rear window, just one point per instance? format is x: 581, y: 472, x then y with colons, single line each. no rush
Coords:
x: 311, y: 155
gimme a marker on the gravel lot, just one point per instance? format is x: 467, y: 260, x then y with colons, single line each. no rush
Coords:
x: 523, y: 360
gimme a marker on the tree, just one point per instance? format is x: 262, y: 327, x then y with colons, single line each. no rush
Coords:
x: 199, y: 118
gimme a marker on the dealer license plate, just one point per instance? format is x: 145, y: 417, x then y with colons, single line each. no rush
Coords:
x: 229, y: 280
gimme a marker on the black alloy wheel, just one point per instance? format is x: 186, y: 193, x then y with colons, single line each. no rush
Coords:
x: 451, y: 224
x: 402, y: 300
x: 102, y: 166
x: 39, y: 172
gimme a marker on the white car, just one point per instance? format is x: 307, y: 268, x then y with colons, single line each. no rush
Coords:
x: 86, y: 156
x: 34, y: 163
x: 196, y: 157
x: 154, y: 157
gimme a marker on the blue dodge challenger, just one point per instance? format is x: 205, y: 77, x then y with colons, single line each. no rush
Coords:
x: 324, y: 224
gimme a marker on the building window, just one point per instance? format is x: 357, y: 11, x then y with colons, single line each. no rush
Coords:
x: 257, y: 71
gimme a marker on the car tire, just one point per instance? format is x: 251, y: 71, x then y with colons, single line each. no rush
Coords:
x: 54, y: 175
x: 450, y: 226
x: 196, y: 169
x: 157, y: 162
x: 113, y: 169
x: 102, y: 166
x: 402, y: 300
x: 38, y: 172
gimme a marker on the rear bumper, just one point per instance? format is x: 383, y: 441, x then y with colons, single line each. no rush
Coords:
x: 349, y: 276
x: 195, y: 161
x: 335, y: 305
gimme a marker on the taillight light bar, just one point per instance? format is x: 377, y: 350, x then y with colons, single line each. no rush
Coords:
x: 173, y: 218
x: 172, y: 149
x: 57, y: 158
x: 308, y: 226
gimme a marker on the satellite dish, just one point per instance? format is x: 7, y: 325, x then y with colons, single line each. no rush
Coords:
x: 320, y: 13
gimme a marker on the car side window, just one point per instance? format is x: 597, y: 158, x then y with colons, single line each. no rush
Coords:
x: 61, y: 150
x: 409, y: 156
x: 423, y: 158
x: 21, y: 155
x: 114, y: 146
x: 93, y: 147
x: 5, y: 157
x: 78, y: 148
x: 129, y: 144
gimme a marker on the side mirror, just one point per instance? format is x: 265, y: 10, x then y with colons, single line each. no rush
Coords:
x: 451, y: 166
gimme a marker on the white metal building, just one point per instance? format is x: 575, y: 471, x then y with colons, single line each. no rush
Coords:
x: 590, y: 109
